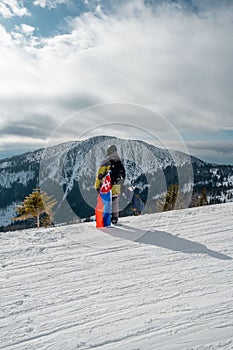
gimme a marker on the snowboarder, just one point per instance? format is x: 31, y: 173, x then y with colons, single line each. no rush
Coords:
x: 112, y: 165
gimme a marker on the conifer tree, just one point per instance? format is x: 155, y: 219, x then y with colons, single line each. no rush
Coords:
x: 34, y: 205
x: 171, y: 198
x: 203, y: 198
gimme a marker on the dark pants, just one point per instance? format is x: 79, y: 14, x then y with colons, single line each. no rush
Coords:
x: 115, y: 207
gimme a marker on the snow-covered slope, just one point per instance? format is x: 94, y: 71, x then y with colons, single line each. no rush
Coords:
x: 155, y: 282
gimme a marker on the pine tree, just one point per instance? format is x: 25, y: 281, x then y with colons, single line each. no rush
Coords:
x: 203, y: 198
x: 171, y: 198
x: 35, y: 205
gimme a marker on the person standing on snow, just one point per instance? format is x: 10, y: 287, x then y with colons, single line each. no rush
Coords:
x: 113, y: 165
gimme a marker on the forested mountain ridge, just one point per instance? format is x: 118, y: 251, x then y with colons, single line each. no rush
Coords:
x: 68, y: 171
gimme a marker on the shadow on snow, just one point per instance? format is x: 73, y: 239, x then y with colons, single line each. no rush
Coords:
x: 163, y: 239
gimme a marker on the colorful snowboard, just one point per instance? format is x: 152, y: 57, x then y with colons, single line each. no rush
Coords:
x: 103, y: 210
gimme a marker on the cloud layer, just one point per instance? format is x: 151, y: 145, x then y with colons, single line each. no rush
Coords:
x: 11, y: 8
x: 49, y: 3
x: 166, y: 57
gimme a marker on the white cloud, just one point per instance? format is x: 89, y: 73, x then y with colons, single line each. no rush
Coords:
x: 23, y: 36
x: 173, y: 60
x: 26, y: 29
x: 49, y: 3
x: 5, y: 11
x: 5, y: 38
x: 99, y: 10
x: 227, y: 128
x: 11, y: 8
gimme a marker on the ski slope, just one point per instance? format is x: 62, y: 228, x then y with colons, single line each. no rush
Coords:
x: 155, y: 282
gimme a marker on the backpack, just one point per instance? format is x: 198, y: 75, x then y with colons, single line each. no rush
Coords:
x: 117, y: 172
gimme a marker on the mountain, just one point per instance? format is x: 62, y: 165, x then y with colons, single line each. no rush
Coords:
x: 161, y: 281
x: 67, y: 171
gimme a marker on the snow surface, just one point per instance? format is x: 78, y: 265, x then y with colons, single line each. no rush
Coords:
x: 159, y: 281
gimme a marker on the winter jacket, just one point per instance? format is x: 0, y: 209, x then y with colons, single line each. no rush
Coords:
x: 117, y: 173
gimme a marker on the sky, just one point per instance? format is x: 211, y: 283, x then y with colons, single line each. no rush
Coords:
x: 59, y: 57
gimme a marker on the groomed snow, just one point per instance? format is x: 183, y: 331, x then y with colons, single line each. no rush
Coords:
x: 155, y: 282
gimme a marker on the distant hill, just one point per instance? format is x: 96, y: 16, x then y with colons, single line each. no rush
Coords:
x: 67, y: 171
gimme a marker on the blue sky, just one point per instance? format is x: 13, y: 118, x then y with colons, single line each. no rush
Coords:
x: 58, y: 57
x: 47, y: 21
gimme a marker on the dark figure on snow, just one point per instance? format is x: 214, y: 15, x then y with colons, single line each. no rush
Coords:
x: 117, y: 172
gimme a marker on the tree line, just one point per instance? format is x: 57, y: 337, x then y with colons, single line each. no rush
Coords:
x: 39, y: 205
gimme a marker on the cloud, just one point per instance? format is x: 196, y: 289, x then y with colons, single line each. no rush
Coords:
x: 49, y: 3
x: 38, y: 127
x: 216, y: 146
x: 8, y: 147
x: 23, y: 36
x: 166, y: 57
x: 20, y: 130
x: 211, y: 4
x: 11, y: 8
x: 25, y: 29
x: 5, y: 38
x: 227, y: 128
x: 212, y: 151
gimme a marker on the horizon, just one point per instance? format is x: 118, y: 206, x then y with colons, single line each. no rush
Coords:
x: 111, y: 136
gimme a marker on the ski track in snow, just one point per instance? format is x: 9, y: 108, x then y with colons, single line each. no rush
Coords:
x: 76, y: 287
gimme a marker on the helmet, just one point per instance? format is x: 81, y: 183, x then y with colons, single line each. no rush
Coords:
x: 111, y: 149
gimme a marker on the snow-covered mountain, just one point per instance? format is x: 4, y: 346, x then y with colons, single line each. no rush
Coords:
x: 155, y: 282
x: 67, y: 171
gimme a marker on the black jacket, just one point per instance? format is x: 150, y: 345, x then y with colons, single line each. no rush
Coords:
x: 116, y: 168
